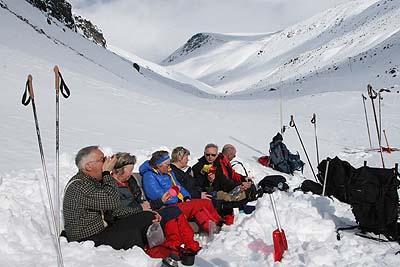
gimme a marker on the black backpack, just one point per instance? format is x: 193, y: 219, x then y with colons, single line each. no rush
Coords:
x: 339, y: 173
x: 371, y: 192
x: 280, y: 157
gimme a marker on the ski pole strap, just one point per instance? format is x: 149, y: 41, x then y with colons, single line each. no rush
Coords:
x: 63, y: 87
x: 364, y: 97
x: 26, y: 99
x: 371, y: 92
x: 291, y: 123
x: 313, y: 119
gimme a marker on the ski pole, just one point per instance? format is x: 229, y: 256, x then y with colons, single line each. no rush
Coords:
x: 366, y: 120
x: 292, y: 124
x: 314, y: 121
x: 387, y: 143
x: 380, y: 98
x: 326, y: 176
x: 280, y: 110
x: 25, y: 101
x: 372, y: 94
x: 66, y: 93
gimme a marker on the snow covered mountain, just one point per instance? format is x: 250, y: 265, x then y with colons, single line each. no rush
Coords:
x: 121, y: 109
x: 341, y: 49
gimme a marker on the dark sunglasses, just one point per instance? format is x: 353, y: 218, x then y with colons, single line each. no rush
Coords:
x: 208, y: 155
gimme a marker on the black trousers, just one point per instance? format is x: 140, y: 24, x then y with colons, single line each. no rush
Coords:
x: 126, y: 232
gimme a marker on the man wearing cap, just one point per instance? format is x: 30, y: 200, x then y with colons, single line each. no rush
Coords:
x: 91, y: 197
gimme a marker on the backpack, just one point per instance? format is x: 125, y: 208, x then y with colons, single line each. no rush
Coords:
x: 270, y: 182
x: 310, y: 186
x: 281, y: 159
x: 339, y: 173
x: 371, y: 192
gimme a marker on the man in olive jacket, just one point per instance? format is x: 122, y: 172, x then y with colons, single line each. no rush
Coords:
x: 91, y: 196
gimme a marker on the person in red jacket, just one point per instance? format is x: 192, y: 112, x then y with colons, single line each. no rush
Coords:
x: 224, y: 158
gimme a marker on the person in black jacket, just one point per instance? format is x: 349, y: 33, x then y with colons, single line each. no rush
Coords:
x: 208, y: 172
x: 184, y: 174
x: 175, y: 225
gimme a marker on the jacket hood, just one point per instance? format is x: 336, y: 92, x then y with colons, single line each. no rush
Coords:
x: 145, y: 167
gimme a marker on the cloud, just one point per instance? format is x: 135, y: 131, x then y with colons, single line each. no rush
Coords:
x: 154, y: 29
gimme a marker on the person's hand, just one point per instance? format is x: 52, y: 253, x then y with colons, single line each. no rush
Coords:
x: 245, y: 185
x: 109, y: 163
x: 205, y: 195
x: 211, y: 177
x: 167, y: 196
x: 146, y: 205
x: 157, y: 217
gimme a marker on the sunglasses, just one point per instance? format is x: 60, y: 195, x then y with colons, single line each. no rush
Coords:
x: 209, y: 155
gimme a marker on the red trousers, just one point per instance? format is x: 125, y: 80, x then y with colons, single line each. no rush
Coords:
x: 201, y: 210
x: 177, y: 232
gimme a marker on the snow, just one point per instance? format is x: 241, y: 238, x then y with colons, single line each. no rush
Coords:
x: 329, y: 44
x: 113, y: 105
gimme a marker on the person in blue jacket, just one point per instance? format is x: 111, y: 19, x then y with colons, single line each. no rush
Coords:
x: 158, y: 179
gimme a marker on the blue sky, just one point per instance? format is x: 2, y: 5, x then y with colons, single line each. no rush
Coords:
x: 153, y: 29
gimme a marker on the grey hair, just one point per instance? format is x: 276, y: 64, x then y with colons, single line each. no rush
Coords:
x: 123, y: 159
x: 82, y: 156
x: 178, y: 153
x: 227, y: 148
x: 211, y: 145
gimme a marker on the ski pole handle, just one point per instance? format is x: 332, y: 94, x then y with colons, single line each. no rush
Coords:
x: 313, y: 119
x: 371, y: 92
x: 57, y: 79
x: 291, y: 123
x: 60, y: 83
x: 30, y: 87
x: 28, y: 92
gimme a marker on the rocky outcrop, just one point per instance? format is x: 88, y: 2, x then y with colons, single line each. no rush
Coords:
x: 62, y: 11
x: 59, y: 9
x: 89, y: 30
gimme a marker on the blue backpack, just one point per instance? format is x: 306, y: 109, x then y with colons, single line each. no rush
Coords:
x: 281, y: 159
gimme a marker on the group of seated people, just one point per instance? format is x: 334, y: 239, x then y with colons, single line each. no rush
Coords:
x: 104, y: 203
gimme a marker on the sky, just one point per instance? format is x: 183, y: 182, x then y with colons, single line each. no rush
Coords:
x: 154, y: 29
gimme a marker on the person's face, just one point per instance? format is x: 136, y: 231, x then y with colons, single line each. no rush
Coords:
x: 232, y: 154
x: 164, y: 167
x: 210, y: 154
x: 184, y: 161
x: 126, y: 174
x: 94, y: 166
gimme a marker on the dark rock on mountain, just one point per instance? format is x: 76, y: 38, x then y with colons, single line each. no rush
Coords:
x: 62, y: 11
x: 89, y: 30
x: 59, y: 9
